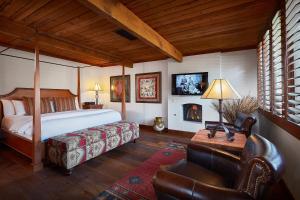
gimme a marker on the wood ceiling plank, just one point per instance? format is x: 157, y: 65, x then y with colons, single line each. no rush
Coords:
x: 163, y: 8
x: 192, y: 12
x: 13, y: 6
x: 44, y: 13
x: 145, y: 7
x: 18, y: 30
x: 223, y: 18
x: 118, y: 13
x: 219, y: 42
x: 76, y: 24
x: 212, y: 32
x: 61, y: 16
x: 28, y: 9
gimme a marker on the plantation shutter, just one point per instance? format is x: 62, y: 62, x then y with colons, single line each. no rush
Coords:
x: 260, y: 76
x: 293, y: 59
x: 267, y: 71
x: 277, y: 65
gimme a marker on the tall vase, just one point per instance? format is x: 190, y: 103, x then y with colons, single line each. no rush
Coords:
x: 159, y: 124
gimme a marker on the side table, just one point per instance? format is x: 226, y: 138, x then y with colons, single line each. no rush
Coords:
x: 220, y: 141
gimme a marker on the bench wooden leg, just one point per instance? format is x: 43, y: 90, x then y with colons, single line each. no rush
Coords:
x: 68, y: 172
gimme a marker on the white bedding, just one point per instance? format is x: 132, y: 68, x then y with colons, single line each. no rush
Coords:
x: 58, y: 123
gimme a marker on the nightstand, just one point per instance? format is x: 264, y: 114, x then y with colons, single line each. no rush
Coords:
x: 88, y: 106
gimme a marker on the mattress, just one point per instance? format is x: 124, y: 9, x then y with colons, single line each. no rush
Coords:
x: 53, y: 124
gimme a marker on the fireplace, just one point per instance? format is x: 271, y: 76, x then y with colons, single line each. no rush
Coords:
x: 192, y: 112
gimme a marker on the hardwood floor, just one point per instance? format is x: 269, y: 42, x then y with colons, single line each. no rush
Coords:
x: 89, y: 179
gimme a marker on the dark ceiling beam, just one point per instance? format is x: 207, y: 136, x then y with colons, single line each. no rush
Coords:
x: 125, y: 18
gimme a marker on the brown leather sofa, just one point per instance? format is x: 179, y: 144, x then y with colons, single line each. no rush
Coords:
x: 209, y: 173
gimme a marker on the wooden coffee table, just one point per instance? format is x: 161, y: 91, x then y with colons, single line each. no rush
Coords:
x: 220, y: 141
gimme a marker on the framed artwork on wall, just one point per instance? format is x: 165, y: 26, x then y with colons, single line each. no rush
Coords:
x: 148, y: 87
x: 116, y: 88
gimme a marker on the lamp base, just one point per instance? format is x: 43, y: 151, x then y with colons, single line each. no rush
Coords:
x: 229, y: 134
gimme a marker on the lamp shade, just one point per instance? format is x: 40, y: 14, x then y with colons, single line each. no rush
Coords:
x: 97, y: 87
x: 220, y: 89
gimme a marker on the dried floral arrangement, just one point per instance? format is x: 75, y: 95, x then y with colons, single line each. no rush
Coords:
x: 246, y: 104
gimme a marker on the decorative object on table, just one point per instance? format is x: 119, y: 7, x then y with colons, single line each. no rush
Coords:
x: 97, y: 89
x: 221, y: 89
x: 116, y: 88
x: 247, y: 105
x: 159, y: 124
x: 148, y: 87
x: 243, y: 124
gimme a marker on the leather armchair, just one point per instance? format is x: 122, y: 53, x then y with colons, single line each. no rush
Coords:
x: 243, y: 124
x: 209, y: 173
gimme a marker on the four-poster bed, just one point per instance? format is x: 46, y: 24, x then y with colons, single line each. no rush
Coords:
x: 32, y: 146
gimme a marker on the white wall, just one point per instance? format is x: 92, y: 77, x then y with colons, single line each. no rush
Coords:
x: 15, y: 72
x: 289, y: 146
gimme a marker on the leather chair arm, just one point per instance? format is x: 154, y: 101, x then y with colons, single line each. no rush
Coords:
x: 214, y: 159
x: 169, y: 185
x: 203, y: 191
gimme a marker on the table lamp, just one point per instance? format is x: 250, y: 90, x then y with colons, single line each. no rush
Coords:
x: 221, y: 89
x: 97, y: 89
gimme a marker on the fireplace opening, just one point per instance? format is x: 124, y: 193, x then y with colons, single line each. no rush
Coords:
x: 192, y: 112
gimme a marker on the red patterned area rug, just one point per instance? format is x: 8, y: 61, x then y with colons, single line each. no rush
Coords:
x: 137, y: 184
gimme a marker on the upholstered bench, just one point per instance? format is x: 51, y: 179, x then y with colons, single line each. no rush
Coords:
x: 71, y: 149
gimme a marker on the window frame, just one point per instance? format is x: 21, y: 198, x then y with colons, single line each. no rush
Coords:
x: 283, y: 121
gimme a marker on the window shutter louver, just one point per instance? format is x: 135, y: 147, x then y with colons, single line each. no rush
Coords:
x: 267, y: 71
x: 293, y: 59
x: 277, y: 65
x: 260, y: 77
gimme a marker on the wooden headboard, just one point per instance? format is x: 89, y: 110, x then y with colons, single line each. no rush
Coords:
x: 19, y: 93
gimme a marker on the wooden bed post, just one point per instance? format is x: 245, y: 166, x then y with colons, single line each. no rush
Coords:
x: 36, y: 137
x: 78, y: 87
x: 123, y: 94
x: 127, y: 64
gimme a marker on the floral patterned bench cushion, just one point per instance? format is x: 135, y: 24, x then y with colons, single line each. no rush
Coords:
x: 71, y: 149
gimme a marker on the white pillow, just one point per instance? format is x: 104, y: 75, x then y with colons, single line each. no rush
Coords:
x: 19, y: 107
x: 8, y: 108
x: 77, y: 103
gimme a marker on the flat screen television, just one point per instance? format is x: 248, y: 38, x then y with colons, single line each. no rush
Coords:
x: 189, y: 83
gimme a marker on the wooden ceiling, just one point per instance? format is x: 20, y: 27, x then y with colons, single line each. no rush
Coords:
x: 71, y: 30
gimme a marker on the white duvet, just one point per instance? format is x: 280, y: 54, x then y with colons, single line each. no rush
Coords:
x: 58, y: 123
